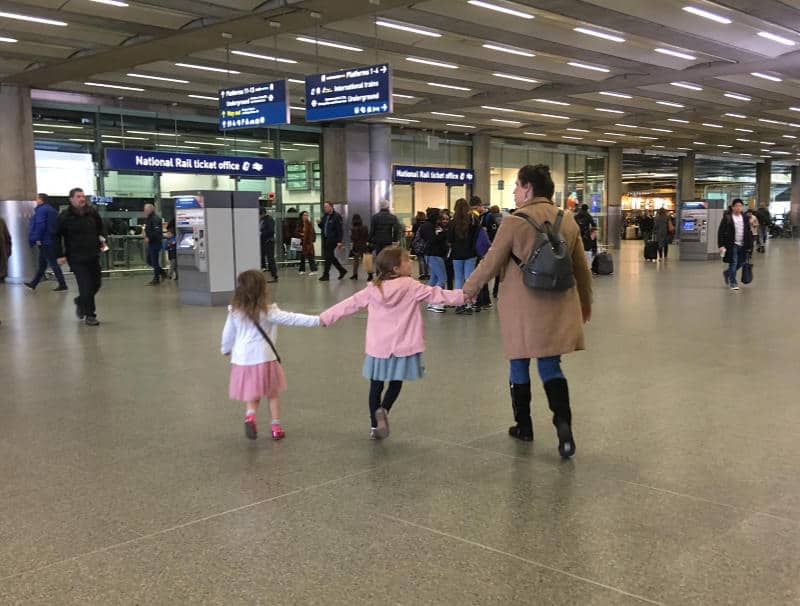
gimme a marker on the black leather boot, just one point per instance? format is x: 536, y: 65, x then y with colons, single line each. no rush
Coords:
x: 558, y: 398
x: 521, y: 404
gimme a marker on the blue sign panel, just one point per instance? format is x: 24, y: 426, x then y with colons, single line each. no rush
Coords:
x: 254, y: 105
x: 349, y: 93
x: 200, y: 164
x: 184, y: 202
x: 432, y: 174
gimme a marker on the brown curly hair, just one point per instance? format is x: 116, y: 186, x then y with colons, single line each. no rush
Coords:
x: 252, y: 295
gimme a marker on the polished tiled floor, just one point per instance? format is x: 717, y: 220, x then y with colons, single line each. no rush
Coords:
x: 125, y: 477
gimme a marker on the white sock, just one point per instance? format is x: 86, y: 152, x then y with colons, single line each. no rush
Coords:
x: 250, y: 412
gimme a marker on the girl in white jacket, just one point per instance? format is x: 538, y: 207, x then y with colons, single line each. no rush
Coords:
x: 249, y: 339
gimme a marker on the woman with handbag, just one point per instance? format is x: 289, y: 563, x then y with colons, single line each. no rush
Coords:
x: 359, y: 238
x: 307, y: 236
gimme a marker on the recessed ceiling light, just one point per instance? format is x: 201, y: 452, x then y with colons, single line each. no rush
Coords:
x: 549, y: 102
x: 608, y: 111
x: 661, y: 130
x: 738, y: 97
x: 745, y: 140
x: 740, y: 116
x: 506, y: 49
x: 725, y: 146
x: 685, y: 148
x: 776, y: 38
x: 658, y: 146
x: 400, y: 119
x: 8, y: 40
x: 176, y: 145
x: 295, y: 81
x: 233, y: 139
x: 500, y: 109
x: 148, y: 132
x: 208, y: 69
x: 686, y: 85
x: 781, y: 153
x: 408, y: 28
x: 460, y: 125
x: 204, y: 97
x: 598, y: 34
x: 679, y: 55
x: 82, y: 140
x: 399, y: 96
x: 594, y: 68
x: 707, y: 15
x: 448, y: 86
x: 114, y: 86
x: 506, y: 121
x: 205, y: 143
x: 615, y: 134
x: 678, y: 120
x: 347, y: 47
x: 648, y: 138
x: 554, y: 116
x: 116, y: 3
x: 304, y: 144
x: 699, y: 143
x: 501, y: 9
x: 448, y: 115
x: 19, y: 17
x: 513, y: 77
x: 789, y: 137
x: 262, y: 57
x: 578, y: 130
x: 712, y: 125
x: 124, y: 137
x: 44, y: 132
x: 671, y: 104
x: 765, y: 121
x: 300, y: 108
x: 764, y: 76
x: 433, y: 63
x: 159, y: 78
x: 626, y: 125
x: 766, y: 143
x: 618, y: 95
x: 535, y: 134
x: 743, y: 130
x: 605, y: 141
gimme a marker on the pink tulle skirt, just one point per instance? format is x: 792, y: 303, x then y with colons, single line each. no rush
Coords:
x: 256, y: 381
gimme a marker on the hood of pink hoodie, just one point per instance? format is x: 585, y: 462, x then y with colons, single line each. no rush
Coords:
x: 392, y: 292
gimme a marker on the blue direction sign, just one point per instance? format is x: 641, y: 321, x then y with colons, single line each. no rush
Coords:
x: 199, y: 164
x: 349, y: 93
x: 254, y: 105
x: 432, y: 174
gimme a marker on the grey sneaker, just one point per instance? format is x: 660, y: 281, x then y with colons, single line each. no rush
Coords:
x: 373, y: 433
x: 92, y: 321
x: 382, y: 417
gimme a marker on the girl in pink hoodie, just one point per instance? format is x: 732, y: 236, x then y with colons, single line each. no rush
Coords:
x: 395, y: 332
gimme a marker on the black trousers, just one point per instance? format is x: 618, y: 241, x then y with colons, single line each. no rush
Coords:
x: 268, y: 253
x: 450, y: 270
x: 375, y: 392
x: 483, y: 296
x: 330, y: 259
x: 88, y: 276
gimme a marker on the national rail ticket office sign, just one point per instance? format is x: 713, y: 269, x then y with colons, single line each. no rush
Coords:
x: 200, y: 164
x: 432, y: 174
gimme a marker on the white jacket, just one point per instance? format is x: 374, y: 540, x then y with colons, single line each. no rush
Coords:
x: 246, y: 344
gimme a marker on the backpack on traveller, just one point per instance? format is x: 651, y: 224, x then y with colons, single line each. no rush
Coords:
x: 549, y: 266
x: 418, y: 244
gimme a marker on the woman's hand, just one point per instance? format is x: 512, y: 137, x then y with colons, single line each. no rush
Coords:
x: 586, y: 310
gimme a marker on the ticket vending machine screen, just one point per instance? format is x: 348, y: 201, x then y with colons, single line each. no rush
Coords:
x: 688, y: 225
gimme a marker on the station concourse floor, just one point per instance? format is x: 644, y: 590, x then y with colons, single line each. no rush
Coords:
x: 125, y: 477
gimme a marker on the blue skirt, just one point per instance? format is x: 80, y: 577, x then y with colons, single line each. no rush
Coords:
x: 406, y: 368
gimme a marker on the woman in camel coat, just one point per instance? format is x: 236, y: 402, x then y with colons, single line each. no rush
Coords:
x: 537, y: 324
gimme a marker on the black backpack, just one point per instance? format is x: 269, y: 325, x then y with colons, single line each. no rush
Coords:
x: 549, y: 266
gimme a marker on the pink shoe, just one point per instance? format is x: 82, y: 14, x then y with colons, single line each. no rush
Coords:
x: 277, y: 432
x: 250, y: 430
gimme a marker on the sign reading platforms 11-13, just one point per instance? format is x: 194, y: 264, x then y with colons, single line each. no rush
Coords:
x: 349, y: 93
x: 254, y: 106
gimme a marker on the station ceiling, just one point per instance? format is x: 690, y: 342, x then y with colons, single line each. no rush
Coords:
x: 718, y: 78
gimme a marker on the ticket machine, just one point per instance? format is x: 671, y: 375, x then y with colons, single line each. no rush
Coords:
x: 698, y: 223
x: 217, y: 237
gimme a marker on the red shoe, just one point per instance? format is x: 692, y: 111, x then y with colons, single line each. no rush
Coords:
x: 277, y: 432
x: 250, y: 430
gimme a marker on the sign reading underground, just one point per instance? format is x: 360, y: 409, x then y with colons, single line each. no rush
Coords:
x: 254, y: 105
x: 350, y: 93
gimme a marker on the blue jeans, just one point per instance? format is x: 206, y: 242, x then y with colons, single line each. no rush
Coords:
x: 47, y: 256
x: 737, y: 259
x: 437, y: 271
x: 463, y: 269
x: 549, y: 369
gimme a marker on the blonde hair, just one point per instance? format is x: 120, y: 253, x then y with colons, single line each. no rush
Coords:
x: 388, y: 260
x: 251, y: 295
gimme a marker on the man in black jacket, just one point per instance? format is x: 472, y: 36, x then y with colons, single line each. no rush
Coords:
x: 77, y: 240
x: 267, y: 229
x: 735, y: 241
x: 332, y: 236
x: 385, y: 230
x: 764, y: 223
x: 154, y: 238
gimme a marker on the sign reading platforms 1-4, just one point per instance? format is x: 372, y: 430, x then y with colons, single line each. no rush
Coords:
x: 254, y: 105
x: 349, y: 93
x: 432, y: 174
x: 200, y: 164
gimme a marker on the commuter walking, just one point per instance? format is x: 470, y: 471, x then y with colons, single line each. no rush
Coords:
x: 448, y: 261
x: 332, y: 228
x: 586, y: 223
x: 307, y: 235
x: 249, y: 339
x: 735, y: 241
x: 154, y: 238
x: 79, y: 234
x: 385, y: 230
x: 646, y: 226
x: 417, y: 245
x: 5, y: 249
x: 40, y: 234
x: 485, y: 220
x: 395, y: 330
x: 359, y: 239
x: 267, y: 235
x: 537, y: 323
x: 663, y: 229
x: 764, y: 223
x: 434, y: 237
x: 461, y: 237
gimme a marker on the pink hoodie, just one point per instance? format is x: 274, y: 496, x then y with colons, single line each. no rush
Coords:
x: 394, y: 322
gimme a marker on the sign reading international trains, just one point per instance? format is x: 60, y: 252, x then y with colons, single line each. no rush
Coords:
x: 254, y: 105
x: 349, y: 93
x: 432, y: 174
x: 201, y: 164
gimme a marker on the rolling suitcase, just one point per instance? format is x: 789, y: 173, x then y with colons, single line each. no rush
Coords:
x: 603, y: 264
x: 650, y: 250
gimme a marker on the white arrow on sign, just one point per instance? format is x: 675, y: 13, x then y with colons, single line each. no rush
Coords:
x: 384, y: 69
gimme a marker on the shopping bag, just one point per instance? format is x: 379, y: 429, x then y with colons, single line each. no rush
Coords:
x: 367, y: 262
x: 296, y: 244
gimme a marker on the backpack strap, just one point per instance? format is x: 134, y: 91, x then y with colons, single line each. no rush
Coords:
x: 539, y: 228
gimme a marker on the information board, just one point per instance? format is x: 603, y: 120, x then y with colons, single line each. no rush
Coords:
x: 297, y: 176
x: 254, y: 105
x: 349, y: 93
x: 432, y: 174
x: 200, y: 164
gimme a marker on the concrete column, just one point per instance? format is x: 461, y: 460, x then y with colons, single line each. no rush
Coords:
x: 380, y: 164
x: 686, y: 186
x: 764, y: 182
x: 795, y: 207
x: 482, y: 185
x: 17, y: 176
x: 614, y: 197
